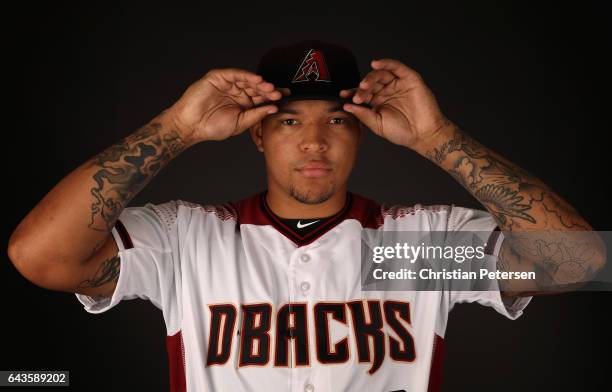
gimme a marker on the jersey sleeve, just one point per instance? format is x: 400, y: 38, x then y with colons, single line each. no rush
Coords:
x: 482, y: 222
x: 147, y: 241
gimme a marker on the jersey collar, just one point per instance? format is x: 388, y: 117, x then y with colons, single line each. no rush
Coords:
x: 255, y: 211
x: 304, y: 239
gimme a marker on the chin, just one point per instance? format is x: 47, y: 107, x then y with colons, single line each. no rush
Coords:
x: 312, y: 194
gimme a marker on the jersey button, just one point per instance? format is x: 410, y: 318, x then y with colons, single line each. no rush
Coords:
x: 305, y: 286
x: 309, y: 388
x: 305, y: 258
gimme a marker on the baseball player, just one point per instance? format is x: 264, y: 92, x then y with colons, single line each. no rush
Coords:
x: 264, y: 293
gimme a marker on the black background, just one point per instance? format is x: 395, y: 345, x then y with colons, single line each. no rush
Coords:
x: 530, y: 82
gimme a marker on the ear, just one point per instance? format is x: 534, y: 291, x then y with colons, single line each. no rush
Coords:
x: 256, y: 132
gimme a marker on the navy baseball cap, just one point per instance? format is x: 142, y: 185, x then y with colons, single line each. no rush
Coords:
x: 310, y: 70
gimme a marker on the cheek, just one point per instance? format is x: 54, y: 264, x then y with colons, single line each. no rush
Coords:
x: 346, y: 149
x: 278, y: 155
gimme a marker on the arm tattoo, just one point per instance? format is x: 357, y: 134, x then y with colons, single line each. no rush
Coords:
x: 515, y: 198
x: 540, y: 227
x: 107, y: 272
x: 126, y: 167
x: 559, y: 259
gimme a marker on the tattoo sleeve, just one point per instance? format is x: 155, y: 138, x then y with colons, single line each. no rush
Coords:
x: 536, y: 222
x: 123, y: 169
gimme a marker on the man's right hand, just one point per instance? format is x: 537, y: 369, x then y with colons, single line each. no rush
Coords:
x: 221, y: 104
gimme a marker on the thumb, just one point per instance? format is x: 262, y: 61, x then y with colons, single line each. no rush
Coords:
x: 364, y: 114
x: 250, y: 117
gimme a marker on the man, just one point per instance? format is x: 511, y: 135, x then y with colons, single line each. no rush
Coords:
x: 264, y: 294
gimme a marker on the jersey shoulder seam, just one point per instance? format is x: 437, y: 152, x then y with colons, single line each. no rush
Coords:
x: 400, y: 211
x: 223, y: 211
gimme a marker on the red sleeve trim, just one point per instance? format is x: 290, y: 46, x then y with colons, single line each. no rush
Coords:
x: 124, y: 235
x: 492, y: 241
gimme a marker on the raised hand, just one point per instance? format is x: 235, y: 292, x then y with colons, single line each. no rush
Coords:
x: 403, y: 109
x: 221, y: 104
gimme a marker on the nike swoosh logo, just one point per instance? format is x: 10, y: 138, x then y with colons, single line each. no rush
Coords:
x: 301, y: 226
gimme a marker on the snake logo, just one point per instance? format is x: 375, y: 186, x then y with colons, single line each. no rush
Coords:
x: 312, y: 68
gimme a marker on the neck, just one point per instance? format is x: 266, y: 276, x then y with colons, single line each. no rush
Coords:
x: 286, y: 206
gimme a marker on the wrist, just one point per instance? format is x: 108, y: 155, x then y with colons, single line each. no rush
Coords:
x: 443, y: 133
x: 172, y: 123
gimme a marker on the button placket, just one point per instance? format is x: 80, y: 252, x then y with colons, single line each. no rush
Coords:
x: 304, y: 273
x: 302, y: 266
x: 305, y: 286
x: 294, y: 277
x: 309, y: 388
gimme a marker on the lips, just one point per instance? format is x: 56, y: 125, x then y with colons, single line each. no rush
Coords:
x: 314, y: 169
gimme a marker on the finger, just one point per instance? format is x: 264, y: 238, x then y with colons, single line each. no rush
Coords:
x: 262, y: 86
x: 256, y: 94
x: 365, y: 95
x: 233, y: 75
x: 259, y: 99
x: 362, y: 96
x: 256, y: 88
x: 379, y: 99
x: 373, y: 82
x: 369, y: 117
x: 235, y: 81
x: 348, y: 93
x: 250, y: 91
x: 233, y: 89
x: 373, y: 87
x: 396, y: 67
x: 250, y: 117
x: 285, y: 91
x: 377, y: 76
x: 387, y: 91
x: 273, y: 95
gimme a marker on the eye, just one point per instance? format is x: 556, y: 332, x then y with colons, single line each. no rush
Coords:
x: 289, y: 121
x: 338, y: 120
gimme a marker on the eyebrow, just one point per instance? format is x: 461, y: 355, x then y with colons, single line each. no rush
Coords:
x: 333, y: 109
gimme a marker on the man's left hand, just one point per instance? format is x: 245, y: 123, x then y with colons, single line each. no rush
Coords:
x: 403, y: 109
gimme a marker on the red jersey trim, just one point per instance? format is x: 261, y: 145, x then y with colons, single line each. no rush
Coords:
x: 437, y: 362
x: 255, y: 211
x: 299, y: 239
x: 176, y: 362
x: 492, y: 241
x: 124, y: 235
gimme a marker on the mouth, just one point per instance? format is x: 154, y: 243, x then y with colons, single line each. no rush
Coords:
x: 314, y: 169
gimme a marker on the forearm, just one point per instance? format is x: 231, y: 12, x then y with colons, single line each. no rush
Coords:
x: 73, y: 220
x: 515, y: 198
x: 557, y: 235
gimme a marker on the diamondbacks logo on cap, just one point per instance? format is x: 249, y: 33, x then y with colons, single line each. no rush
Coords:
x: 313, y: 68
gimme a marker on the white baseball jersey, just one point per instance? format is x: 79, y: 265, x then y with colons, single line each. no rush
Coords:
x: 250, y: 305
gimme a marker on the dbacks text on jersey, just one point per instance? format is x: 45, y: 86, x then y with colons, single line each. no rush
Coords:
x: 287, y: 328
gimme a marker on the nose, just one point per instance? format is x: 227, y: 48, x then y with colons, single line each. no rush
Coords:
x: 314, y: 138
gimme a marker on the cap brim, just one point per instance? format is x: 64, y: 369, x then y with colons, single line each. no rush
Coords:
x: 310, y: 97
